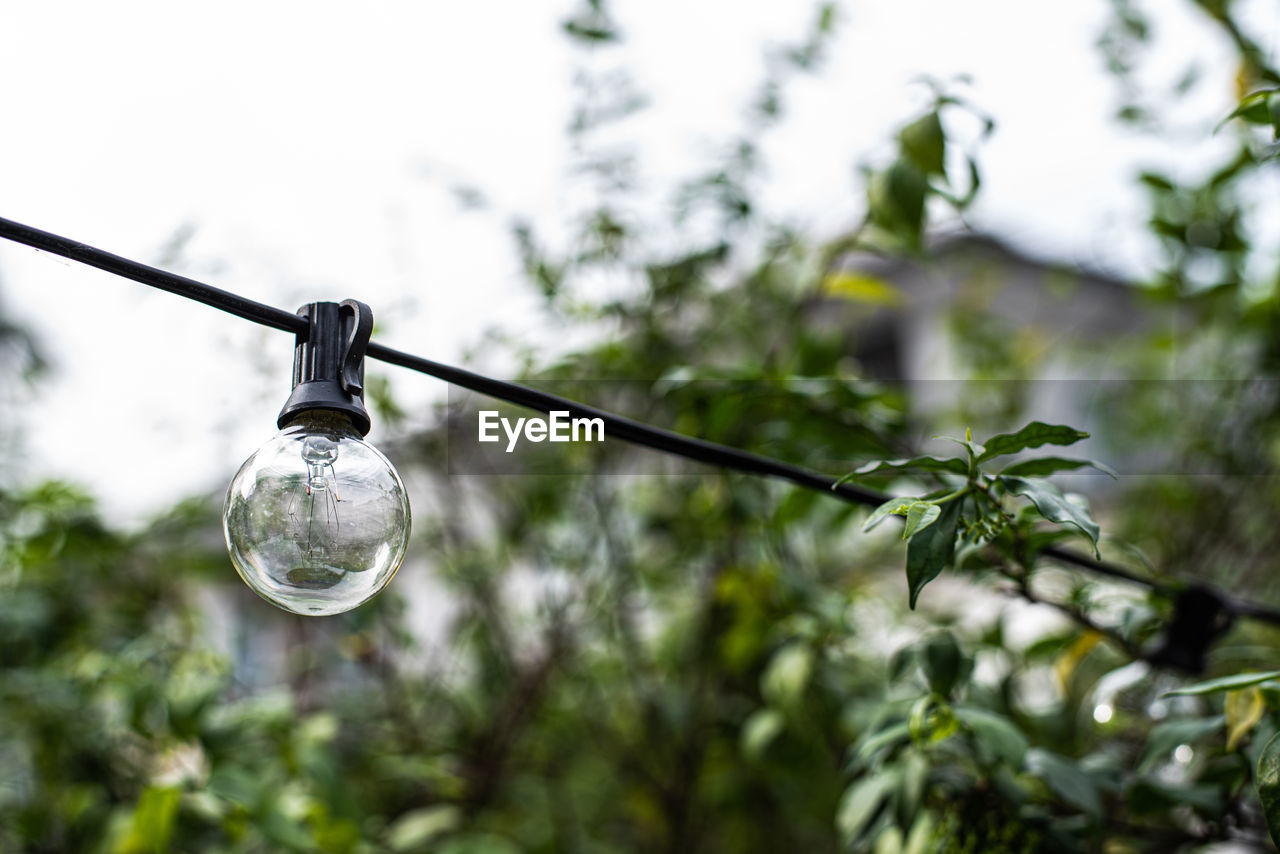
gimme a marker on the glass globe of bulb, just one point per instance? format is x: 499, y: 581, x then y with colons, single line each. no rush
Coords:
x: 317, y: 520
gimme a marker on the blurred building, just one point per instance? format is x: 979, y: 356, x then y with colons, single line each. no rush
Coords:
x: 986, y: 336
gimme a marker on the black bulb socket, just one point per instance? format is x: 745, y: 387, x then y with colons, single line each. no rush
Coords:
x: 328, y: 362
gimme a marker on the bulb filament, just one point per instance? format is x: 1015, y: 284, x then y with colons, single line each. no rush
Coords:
x: 319, y: 453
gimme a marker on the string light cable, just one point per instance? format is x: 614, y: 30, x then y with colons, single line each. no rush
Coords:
x: 329, y: 376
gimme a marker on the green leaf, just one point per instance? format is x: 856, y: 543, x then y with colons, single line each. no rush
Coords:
x: 890, y: 736
x: 759, y: 731
x: 1255, y: 107
x: 942, y: 662
x: 284, y: 831
x: 477, y: 843
x: 915, y: 778
x: 925, y: 144
x: 589, y: 32
x: 895, y: 201
x: 1156, y: 182
x: 860, y: 803
x: 954, y: 465
x: 967, y: 443
x: 1033, y: 435
x: 1149, y: 797
x: 153, y: 821
x: 787, y: 675
x: 1065, y: 779
x: 1164, y: 737
x: 1268, y: 783
x: 892, y: 507
x: 918, y: 718
x: 930, y: 550
x: 1223, y: 683
x: 900, y: 662
x: 415, y: 828
x: 1044, y: 466
x: 921, y: 838
x: 1054, y: 506
x: 235, y: 785
x: 996, y: 733
x: 920, y: 515
x: 826, y: 17
x: 889, y: 841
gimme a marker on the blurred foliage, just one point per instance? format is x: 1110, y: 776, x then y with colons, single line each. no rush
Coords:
x: 703, y: 661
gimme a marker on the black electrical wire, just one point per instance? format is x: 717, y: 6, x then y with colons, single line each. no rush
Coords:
x: 182, y: 286
x: 616, y: 426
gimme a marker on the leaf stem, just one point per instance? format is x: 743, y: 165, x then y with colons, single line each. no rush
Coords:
x: 959, y: 493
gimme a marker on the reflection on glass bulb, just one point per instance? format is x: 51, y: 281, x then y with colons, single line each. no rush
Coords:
x: 317, y: 521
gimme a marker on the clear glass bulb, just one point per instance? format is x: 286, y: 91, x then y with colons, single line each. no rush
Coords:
x: 317, y: 520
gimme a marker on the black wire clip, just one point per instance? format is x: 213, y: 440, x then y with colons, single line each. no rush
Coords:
x: 328, y: 362
x: 1200, y: 616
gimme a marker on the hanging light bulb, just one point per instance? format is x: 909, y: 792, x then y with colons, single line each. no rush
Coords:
x: 317, y: 520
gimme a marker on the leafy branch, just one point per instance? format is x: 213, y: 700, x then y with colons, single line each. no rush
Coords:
x: 976, y: 506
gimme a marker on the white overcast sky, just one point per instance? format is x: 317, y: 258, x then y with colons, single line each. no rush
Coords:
x: 313, y: 146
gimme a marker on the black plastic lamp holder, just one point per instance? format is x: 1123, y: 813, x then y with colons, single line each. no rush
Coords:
x: 1200, y: 617
x: 328, y: 362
